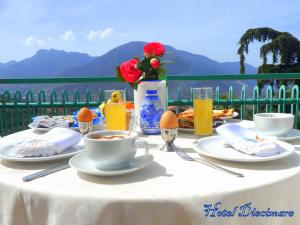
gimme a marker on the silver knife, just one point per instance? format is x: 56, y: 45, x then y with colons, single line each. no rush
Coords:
x: 45, y: 172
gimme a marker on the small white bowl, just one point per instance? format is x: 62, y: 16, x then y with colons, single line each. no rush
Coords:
x: 274, y: 124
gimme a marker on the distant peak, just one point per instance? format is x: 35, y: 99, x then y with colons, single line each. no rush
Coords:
x: 55, y: 52
x: 51, y: 50
x: 41, y: 51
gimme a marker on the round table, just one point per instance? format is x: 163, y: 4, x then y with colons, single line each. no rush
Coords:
x: 170, y: 191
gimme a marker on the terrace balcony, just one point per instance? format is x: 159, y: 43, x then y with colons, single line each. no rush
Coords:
x: 17, y: 107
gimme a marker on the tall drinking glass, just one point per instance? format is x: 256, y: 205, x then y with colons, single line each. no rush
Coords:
x: 115, y: 109
x: 203, y: 108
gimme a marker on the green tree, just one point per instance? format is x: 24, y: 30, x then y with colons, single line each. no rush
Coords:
x: 283, y: 47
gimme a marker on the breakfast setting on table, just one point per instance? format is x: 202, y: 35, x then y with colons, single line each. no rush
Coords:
x: 155, y: 159
x: 151, y: 163
x: 111, y: 148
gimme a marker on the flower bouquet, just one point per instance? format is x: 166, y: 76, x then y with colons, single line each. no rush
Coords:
x: 135, y: 70
x: 145, y: 74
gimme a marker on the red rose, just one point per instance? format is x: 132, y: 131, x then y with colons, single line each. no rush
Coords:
x: 154, y: 49
x: 129, y: 71
x: 155, y: 64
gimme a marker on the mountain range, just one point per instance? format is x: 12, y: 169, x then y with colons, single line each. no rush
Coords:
x: 59, y: 63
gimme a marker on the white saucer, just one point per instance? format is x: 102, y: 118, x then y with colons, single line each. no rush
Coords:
x: 292, y: 135
x: 82, y: 163
x: 214, y: 147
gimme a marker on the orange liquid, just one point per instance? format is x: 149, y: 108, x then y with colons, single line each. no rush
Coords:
x: 115, y: 116
x: 203, y: 118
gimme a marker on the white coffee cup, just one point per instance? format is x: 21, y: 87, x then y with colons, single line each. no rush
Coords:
x: 274, y: 124
x: 112, y: 154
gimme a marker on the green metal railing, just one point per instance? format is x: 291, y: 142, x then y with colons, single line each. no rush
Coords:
x: 17, y: 108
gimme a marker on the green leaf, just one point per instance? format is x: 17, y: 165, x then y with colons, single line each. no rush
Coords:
x: 162, y: 77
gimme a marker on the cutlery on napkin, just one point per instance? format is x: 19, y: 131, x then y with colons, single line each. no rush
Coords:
x: 53, y: 142
x: 247, y: 141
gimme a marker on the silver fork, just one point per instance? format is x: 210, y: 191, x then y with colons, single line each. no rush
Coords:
x: 186, y: 157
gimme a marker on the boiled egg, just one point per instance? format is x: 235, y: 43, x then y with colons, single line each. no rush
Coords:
x: 168, y: 120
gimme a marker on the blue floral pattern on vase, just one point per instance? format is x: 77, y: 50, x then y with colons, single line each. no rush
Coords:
x: 150, y: 113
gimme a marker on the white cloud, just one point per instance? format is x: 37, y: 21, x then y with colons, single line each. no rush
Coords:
x: 68, y: 35
x: 93, y: 35
x: 32, y: 41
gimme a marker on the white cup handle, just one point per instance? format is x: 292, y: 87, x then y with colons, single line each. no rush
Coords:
x: 145, y: 143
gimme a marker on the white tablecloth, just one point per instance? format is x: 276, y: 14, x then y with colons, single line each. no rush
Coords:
x: 169, y: 192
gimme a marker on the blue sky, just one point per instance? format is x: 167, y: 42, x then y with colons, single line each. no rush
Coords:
x: 208, y: 27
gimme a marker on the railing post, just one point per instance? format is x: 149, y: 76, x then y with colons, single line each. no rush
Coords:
x: 269, y: 97
x: 6, y: 98
x: 29, y: 98
x: 65, y: 99
x: 76, y: 99
x: 282, y: 96
x: 256, y: 99
x: 295, y: 105
x: 243, y: 105
x: 179, y: 100
x: 230, y: 97
x: 17, y: 99
x: 217, y: 97
x: 41, y: 100
x: 88, y: 97
x: 53, y: 100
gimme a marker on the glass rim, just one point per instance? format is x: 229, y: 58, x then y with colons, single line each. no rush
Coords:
x: 106, y: 94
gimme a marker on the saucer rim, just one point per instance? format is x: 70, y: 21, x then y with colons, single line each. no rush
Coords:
x: 108, y: 173
x: 280, y: 138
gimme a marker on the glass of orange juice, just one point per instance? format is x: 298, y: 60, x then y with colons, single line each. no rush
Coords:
x: 115, y: 109
x: 203, y: 109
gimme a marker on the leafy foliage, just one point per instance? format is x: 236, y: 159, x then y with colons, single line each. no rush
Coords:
x: 282, y: 46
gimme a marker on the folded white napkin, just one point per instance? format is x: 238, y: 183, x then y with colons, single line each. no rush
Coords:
x: 53, y: 142
x: 247, y: 141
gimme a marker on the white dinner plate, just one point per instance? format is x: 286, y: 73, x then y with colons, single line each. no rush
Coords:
x: 6, y: 153
x: 83, y: 164
x: 32, y: 126
x: 235, y: 114
x: 214, y: 147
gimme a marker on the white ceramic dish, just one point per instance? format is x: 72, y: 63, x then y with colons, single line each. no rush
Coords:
x: 6, y: 153
x: 214, y: 147
x: 95, y: 128
x: 32, y: 126
x: 274, y: 124
x: 81, y: 163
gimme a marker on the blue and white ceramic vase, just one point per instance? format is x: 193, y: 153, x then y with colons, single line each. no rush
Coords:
x: 139, y: 94
x: 151, y: 111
